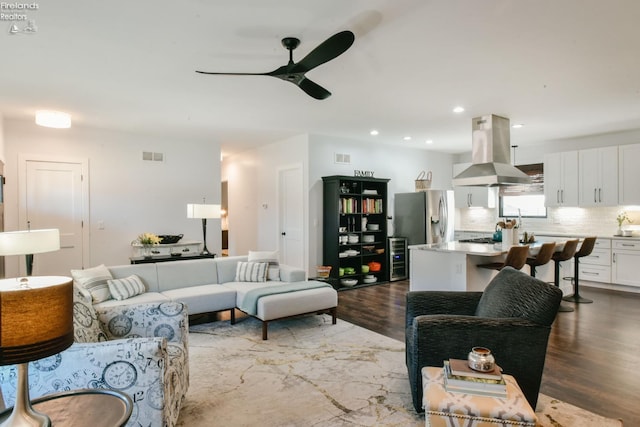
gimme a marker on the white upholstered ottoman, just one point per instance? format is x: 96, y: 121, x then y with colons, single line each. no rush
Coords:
x: 294, y: 299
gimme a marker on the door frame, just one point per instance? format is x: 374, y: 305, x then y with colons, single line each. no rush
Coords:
x: 23, y: 158
x: 304, y: 233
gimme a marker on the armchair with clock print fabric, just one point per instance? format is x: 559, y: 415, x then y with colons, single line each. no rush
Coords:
x: 138, y: 349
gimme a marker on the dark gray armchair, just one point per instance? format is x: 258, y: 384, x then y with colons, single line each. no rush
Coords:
x: 512, y: 317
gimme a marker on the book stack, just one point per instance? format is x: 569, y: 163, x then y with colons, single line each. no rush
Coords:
x: 460, y: 378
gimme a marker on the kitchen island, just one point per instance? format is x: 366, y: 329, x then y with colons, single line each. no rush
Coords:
x: 453, y: 266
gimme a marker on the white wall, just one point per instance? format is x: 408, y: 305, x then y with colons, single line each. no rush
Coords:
x: 400, y: 165
x: 2, y: 149
x: 253, y: 202
x: 128, y: 195
x: 253, y: 175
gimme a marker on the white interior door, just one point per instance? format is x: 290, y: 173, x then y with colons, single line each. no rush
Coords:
x: 53, y: 195
x: 291, y: 217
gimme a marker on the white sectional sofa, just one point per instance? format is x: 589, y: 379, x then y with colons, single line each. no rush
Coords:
x: 209, y: 285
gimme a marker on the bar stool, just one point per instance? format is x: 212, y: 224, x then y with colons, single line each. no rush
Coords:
x: 516, y: 258
x: 585, y: 249
x: 567, y: 253
x: 543, y: 257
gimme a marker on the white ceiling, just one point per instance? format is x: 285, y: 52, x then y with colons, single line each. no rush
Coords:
x: 563, y: 68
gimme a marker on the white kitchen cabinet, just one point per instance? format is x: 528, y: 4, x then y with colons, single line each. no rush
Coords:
x: 624, y: 262
x: 629, y: 174
x: 598, y: 176
x: 468, y: 197
x: 597, y: 266
x: 561, y: 179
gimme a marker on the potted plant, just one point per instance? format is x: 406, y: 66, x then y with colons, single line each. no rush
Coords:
x: 621, y: 218
x: 147, y: 240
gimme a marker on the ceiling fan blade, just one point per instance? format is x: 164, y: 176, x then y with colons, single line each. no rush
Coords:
x: 329, y: 49
x: 234, y: 74
x: 313, y: 89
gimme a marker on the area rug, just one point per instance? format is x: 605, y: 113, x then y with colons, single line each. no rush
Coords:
x: 312, y: 373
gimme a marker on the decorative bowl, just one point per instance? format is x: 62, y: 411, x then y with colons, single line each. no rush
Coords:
x: 369, y: 280
x: 168, y: 239
x: 373, y: 227
x: 349, y: 282
x: 368, y: 238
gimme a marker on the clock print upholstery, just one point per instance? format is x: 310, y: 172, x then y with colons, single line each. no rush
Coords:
x: 138, y: 349
x: 86, y: 327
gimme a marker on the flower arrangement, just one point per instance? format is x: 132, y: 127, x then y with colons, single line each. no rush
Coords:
x: 148, y: 239
x: 622, y: 217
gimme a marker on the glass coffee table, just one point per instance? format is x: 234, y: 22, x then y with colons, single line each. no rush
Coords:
x: 86, y: 407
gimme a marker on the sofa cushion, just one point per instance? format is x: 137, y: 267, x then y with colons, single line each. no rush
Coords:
x: 146, y: 272
x: 251, y: 271
x: 186, y: 273
x: 144, y: 298
x: 204, y: 298
x: 86, y: 327
x: 94, y: 280
x: 271, y: 257
x: 513, y: 293
x: 126, y: 288
x: 227, y: 267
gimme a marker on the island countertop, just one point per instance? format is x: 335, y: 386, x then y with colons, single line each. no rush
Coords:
x: 483, y: 249
x: 454, y: 265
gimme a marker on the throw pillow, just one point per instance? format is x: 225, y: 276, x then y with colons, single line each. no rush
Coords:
x: 273, y: 270
x: 86, y: 327
x: 251, y: 272
x: 126, y: 288
x: 95, y: 281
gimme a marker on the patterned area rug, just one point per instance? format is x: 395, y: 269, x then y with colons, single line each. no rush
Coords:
x: 312, y: 373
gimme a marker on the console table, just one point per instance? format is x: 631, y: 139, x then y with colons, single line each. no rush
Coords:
x: 166, y: 258
x: 86, y: 407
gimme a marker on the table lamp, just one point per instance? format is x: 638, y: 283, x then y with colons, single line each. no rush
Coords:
x: 204, y: 212
x: 36, y: 318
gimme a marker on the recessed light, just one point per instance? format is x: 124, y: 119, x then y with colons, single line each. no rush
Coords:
x: 374, y: 132
x: 53, y: 119
x: 458, y: 110
x: 429, y: 141
x: 407, y: 138
x: 517, y: 126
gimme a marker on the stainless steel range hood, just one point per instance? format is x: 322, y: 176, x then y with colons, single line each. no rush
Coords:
x: 491, y: 156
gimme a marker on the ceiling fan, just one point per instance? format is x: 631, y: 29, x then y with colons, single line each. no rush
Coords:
x: 294, y: 72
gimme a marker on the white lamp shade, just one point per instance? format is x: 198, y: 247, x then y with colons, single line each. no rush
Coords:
x: 203, y: 211
x: 29, y: 242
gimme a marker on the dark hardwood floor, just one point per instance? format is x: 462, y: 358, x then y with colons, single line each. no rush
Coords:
x: 593, y: 356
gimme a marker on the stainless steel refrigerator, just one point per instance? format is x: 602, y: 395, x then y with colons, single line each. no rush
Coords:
x: 424, y: 217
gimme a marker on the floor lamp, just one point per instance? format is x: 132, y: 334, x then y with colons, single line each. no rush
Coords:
x: 36, y: 318
x: 204, y: 212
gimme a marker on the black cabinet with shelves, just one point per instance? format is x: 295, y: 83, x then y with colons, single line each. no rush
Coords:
x: 355, y: 230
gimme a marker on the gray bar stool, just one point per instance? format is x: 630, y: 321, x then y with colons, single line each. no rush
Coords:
x: 566, y: 254
x: 585, y: 249
x: 544, y: 256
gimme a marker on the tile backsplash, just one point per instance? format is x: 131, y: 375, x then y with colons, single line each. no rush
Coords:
x: 581, y: 221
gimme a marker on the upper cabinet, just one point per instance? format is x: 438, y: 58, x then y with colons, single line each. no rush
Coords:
x: 598, y: 177
x: 468, y: 197
x: 629, y: 174
x: 561, y: 179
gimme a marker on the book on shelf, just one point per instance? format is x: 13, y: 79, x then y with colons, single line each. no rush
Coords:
x: 474, y: 385
x: 461, y: 368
